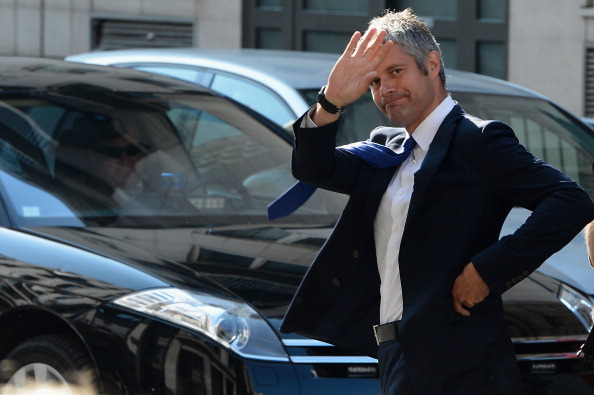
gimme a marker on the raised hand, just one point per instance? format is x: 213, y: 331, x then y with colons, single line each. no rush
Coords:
x: 354, y: 71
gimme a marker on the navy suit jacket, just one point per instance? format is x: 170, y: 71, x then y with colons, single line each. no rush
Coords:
x: 473, y: 174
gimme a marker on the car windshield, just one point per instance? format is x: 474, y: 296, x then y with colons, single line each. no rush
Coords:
x: 87, y: 157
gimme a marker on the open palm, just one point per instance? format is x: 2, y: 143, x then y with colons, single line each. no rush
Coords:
x: 355, y: 69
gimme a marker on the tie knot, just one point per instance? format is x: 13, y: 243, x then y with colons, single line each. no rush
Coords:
x: 409, y: 144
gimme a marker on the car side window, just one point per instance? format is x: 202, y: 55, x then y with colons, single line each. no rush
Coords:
x: 29, y: 202
x: 547, y: 132
x: 26, y: 167
x: 254, y: 96
x: 544, y: 143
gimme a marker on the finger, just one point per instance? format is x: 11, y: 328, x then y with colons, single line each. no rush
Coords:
x: 385, y: 48
x: 377, y: 55
x: 376, y: 44
x: 458, y: 308
x: 368, y: 78
x: 350, y: 48
x: 364, y: 42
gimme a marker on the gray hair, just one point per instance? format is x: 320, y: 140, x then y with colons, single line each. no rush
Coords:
x: 407, y: 30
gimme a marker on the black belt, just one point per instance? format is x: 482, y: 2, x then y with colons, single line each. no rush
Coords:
x: 386, y: 332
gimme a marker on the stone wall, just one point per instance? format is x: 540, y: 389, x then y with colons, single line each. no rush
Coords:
x: 56, y: 28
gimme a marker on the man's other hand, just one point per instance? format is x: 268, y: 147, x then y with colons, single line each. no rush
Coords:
x: 469, y: 289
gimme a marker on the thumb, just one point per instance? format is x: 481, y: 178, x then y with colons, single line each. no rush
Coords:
x: 368, y: 79
x: 460, y: 309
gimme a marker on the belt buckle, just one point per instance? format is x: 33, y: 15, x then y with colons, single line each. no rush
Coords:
x: 377, y: 340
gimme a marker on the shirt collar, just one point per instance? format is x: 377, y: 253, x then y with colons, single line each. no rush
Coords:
x: 425, y: 132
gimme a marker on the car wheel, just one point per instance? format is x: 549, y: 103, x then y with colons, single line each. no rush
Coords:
x: 52, y: 360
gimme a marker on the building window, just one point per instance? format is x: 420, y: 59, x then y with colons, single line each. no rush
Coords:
x: 269, y: 38
x: 356, y: 6
x: 493, y: 10
x: 491, y: 59
x: 443, y: 9
x: 325, y: 41
x: 473, y: 34
x: 126, y: 33
x: 270, y: 4
x: 306, y: 25
x: 449, y: 52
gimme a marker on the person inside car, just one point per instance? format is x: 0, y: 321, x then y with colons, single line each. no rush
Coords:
x: 102, y: 159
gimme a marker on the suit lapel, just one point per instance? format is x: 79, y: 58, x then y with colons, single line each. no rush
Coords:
x: 437, y: 151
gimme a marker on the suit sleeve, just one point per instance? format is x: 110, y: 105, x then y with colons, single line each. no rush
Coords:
x: 316, y: 161
x: 560, y: 208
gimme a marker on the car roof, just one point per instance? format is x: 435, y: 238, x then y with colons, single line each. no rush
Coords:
x: 23, y: 73
x: 295, y: 68
x: 298, y: 69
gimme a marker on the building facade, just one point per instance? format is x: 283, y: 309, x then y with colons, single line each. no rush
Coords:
x: 551, y: 50
x: 55, y: 28
x: 546, y: 45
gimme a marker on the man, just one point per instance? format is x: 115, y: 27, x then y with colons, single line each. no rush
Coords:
x: 104, y: 159
x: 416, y: 249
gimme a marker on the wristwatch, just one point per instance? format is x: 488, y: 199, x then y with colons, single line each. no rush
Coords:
x: 326, y: 105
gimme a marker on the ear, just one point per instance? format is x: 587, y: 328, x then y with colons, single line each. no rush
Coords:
x: 433, y: 63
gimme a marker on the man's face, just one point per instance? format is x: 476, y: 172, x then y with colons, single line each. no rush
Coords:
x: 117, y: 159
x: 402, y: 91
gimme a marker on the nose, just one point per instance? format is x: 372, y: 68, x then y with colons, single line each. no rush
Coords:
x: 386, y: 88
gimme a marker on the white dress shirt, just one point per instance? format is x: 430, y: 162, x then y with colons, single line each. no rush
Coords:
x: 393, y: 210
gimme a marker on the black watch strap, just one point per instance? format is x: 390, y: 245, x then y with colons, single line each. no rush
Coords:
x: 326, y: 105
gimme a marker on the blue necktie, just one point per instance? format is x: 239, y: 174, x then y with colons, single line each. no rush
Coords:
x: 376, y: 155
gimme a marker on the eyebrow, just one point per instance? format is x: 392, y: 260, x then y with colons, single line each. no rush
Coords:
x: 394, y: 66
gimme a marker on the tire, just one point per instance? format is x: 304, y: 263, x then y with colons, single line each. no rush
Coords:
x: 49, y: 360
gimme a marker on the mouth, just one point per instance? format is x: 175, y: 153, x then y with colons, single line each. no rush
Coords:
x: 394, y: 100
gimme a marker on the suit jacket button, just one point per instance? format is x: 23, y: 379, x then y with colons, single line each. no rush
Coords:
x: 335, y: 282
x: 355, y: 254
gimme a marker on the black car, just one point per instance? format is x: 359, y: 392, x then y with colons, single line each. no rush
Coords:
x: 136, y: 255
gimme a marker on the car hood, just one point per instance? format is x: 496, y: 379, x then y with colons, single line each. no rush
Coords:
x: 260, y: 264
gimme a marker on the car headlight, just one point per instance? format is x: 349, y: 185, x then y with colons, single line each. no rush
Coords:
x: 234, y: 325
x: 578, y: 303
